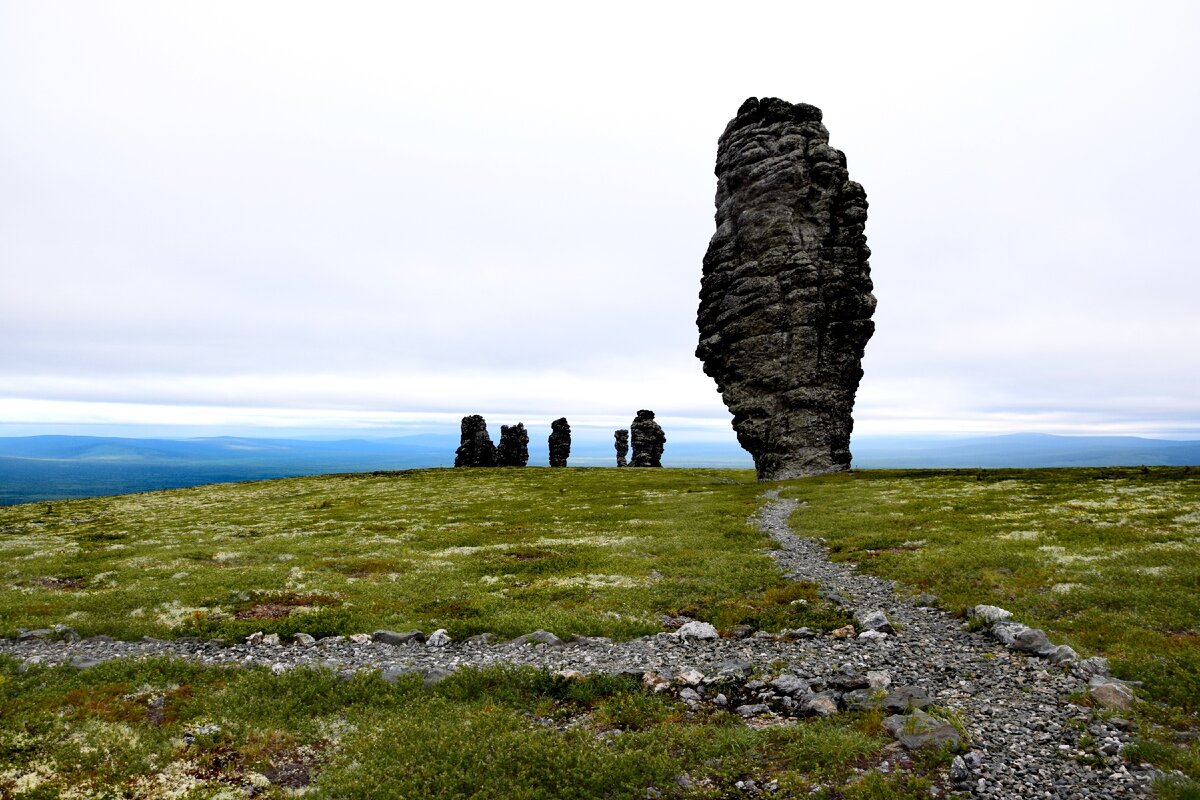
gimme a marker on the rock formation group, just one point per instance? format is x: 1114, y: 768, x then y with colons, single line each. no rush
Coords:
x: 475, y: 447
x: 785, y: 297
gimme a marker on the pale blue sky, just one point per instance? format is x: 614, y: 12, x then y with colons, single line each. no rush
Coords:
x: 290, y: 217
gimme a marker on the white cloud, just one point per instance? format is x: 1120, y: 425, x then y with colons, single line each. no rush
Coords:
x: 380, y: 209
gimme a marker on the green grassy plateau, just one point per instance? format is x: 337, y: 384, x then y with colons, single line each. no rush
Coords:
x: 1103, y: 559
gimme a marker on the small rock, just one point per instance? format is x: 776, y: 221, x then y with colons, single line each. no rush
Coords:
x: 919, y: 730
x: 483, y: 638
x: 435, y: 676
x: 732, y: 670
x: 271, y: 639
x: 872, y: 635
x: 63, y: 633
x: 1113, y: 695
x: 568, y: 674
x: 796, y: 634
x: 1032, y: 640
x: 303, y: 639
x: 862, y: 699
x: 926, y: 601
x: 360, y: 638
x: 823, y: 704
x: 689, y: 677
x: 655, y: 682
x: 255, y: 638
x: 697, y: 630
x: 844, y: 632
x: 753, y: 710
x: 906, y: 698
x: 439, y: 638
x: 393, y: 673
x: 36, y: 633
x: 1089, y: 667
x: 278, y: 669
x: 878, y: 680
x: 1063, y: 654
x: 690, y: 695
x: 959, y: 773
x: 791, y: 686
x: 875, y: 621
x: 990, y: 615
x: 397, y: 639
x: 720, y: 701
x: 539, y: 637
x: 742, y: 631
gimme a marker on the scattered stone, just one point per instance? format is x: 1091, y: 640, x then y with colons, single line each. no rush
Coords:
x: 560, y: 442
x: 271, y: 639
x: 1090, y: 667
x: 393, y: 673
x: 690, y: 695
x: 989, y: 615
x: 398, y: 639
x: 869, y: 635
x: 823, y: 704
x: 796, y: 634
x: 741, y: 631
x: 918, y: 730
x: 689, y: 677
x: 875, y: 621
x: 785, y: 297
x: 475, y: 447
x: 753, y: 710
x: 304, y: 639
x: 539, y: 637
x: 1112, y: 695
x: 655, y: 682
x: 439, y: 638
x: 735, y: 669
x: 844, y: 632
x: 360, y: 638
x: 905, y: 698
x: 1034, y: 641
x: 648, y: 440
x: 878, y: 680
x: 513, y: 450
x: 36, y: 633
x: 791, y: 686
x: 621, y: 443
x: 863, y: 699
x: 697, y: 630
x: 482, y: 638
x: 1063, y: 654
x: 255, y: 638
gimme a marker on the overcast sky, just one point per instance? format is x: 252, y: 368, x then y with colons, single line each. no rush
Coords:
x: 292, y: 217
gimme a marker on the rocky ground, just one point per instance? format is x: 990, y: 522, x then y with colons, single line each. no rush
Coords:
x: 1009, y: 709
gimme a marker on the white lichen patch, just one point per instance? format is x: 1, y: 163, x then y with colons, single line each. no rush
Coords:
x: 226, y: 557
x: 594, y: 581
x: 1020, y: 535
x: 174, y: 613
x: 1063, y: 588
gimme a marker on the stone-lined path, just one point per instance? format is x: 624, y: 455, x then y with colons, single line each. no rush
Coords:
x: 1025, y: 738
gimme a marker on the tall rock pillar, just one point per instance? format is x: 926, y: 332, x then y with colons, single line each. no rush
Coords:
x: 785, y: 297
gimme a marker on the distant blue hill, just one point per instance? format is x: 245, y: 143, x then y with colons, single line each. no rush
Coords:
x: 39, y: 468
x: 1022, y: 450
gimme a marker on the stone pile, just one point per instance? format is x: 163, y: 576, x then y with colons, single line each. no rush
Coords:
x: 648, y: 440
x: 785, y: 297
x: 560, y: 442
x: 475, y: 448
x: 514, y: 446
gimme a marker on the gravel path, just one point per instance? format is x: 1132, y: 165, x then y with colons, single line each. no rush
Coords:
x: 1025, y: 739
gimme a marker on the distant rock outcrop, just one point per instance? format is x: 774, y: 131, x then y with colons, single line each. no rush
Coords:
x: 648, y: 440
x: 785, y: 298
x: 560, y: 442
x: 621, y: 442
x: 513, y: 450
x: 475, y: 448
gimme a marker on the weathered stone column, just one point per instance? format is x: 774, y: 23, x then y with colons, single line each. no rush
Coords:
x: 513, y: 450
x: 560, y: 442
x: 785, y: 297
x: 475, y: 448
x: 621, y: 443
x: 648, y: 440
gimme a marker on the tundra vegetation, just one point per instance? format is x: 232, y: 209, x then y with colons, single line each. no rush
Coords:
x: 1102, y: 559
